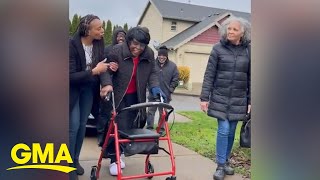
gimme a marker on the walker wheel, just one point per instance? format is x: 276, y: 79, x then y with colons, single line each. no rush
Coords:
x: 150, y: 170
x: 93, y: 175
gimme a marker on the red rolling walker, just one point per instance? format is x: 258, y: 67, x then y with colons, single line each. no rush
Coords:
x: 138, y: 135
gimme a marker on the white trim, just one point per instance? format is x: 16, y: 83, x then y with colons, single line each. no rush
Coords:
x: 150, y: 2
x: 203, y: 30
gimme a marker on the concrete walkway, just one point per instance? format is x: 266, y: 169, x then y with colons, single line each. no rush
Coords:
x: 189, y: 164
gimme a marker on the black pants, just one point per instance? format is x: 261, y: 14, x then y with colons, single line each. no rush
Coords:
x: 124, y: 120
x: 103, y: 120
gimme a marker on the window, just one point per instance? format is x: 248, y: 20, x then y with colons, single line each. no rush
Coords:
x: 173, y: 26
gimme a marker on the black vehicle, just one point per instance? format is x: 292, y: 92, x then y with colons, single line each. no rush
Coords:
x: 92, y: 122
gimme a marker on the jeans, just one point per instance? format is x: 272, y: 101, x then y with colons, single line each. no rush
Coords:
x: 78, y: 120
x: 225, y: 139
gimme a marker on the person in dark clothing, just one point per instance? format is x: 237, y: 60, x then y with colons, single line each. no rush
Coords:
x: 86, y: 63
x: 105, y: 107
x: 118, y: 37
x: 168, y: 78
x: 136, y: 72
x: 226, y: 87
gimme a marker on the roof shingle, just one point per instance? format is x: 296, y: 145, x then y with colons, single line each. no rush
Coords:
x: 190, y: 12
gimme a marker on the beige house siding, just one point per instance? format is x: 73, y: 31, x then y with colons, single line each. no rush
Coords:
x: 166, y: 28
x: 195, y: 56
x: 153, y: 20
x: 172, y: 55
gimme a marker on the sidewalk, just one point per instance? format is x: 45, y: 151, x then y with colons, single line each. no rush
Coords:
x: 189, y: 164
x: 195, y: 91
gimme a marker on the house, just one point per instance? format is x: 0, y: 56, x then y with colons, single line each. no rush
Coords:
x: 189, y: 31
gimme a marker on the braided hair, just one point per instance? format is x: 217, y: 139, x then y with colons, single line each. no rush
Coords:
x: 98, y: 45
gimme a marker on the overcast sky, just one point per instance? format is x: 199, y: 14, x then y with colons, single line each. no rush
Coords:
x: 129, y: 11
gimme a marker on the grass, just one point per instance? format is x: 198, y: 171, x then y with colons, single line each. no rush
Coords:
x: 200, y: 136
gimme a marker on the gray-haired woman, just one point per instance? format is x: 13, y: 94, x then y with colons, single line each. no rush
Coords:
x: 226, y: 87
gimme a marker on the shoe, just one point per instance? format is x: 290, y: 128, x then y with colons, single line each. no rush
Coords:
x: 228, y: 169
x: 123, y: 164
x: 113, y: 168
x: 219, y: 174
x: 80, y: 170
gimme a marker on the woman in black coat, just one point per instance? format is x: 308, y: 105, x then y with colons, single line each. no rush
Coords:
x: 85, y: 65
x: 226, y: 87
x: 136, y: 73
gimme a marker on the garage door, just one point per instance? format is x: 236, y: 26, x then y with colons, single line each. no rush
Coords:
x: 197, y: 64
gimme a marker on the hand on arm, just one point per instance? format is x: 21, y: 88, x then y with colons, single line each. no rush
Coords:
x: 101, y: 67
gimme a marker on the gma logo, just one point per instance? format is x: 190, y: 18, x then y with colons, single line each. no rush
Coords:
x: 35, y: 154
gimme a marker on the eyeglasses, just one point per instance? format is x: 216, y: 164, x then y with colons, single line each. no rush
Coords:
x: 137, y: 44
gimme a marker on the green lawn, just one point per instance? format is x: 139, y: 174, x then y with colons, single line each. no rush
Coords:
x: 200, y: 136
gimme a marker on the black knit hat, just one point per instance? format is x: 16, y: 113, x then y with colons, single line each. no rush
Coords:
x: 163, y: 50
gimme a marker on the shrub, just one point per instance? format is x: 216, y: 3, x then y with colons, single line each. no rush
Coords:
x: 184, y: 73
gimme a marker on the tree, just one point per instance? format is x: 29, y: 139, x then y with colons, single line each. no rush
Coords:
x: 108, y: 33
x: 70, y: 27
x: 125, y: 27
x: 74, y: 24
x: 104, y: 25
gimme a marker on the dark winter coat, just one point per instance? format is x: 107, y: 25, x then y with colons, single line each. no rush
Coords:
x: 147, y: 75
x: 97, y: 98
x: 226, y: 84
x: 168, y: 78
x: 78, y: 75
x: 114, y: 40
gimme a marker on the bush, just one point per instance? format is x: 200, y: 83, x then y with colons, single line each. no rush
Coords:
x: 184, y: 73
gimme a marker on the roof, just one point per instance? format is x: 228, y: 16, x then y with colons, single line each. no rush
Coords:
x: 192, y: 31
x: 188, y: 12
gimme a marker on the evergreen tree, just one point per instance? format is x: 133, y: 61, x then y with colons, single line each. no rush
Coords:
x: 74, y: 24
x: 125, y: 27
x: 104, y: 25
x: 70, y: 28
x: 108, y: 33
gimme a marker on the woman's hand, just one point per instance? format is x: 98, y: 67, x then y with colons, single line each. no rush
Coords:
x: 105, y: 90
x: 204, y: 106
x: 249, y: 109
x: 100, y: 68
x: 113, y: 66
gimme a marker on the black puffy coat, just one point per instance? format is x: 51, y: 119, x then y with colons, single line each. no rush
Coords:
x: 147, y: 75
x: 226, y: 83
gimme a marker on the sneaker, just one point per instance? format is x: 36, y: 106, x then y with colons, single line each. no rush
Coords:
x: 113, y: 169
x: 228, y: 169
x: 219, y: 174
x: 122, y: 164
